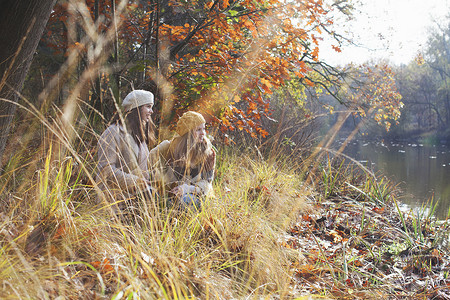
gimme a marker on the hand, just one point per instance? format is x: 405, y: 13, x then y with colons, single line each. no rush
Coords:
x: 183, y: 189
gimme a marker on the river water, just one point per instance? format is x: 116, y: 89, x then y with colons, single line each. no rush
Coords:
x: 422, y: 171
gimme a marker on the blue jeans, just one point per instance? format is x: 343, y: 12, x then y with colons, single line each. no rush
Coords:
x: 190, y: 201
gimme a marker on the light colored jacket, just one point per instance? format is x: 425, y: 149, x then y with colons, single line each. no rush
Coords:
x: 165, y: 174
x: 121, y: 161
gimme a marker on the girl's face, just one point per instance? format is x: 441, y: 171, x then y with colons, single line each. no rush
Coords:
x: 199, y: 133
x: 145, y: 111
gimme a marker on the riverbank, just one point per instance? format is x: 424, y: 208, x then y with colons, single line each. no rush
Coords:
x: 272, y: 231
x: 358, y: 250
x: 359, y: 241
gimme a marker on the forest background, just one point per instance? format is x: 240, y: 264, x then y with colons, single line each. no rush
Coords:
x: 252, y: 67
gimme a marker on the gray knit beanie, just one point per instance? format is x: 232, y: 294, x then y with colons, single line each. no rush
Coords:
x: 137, y: 98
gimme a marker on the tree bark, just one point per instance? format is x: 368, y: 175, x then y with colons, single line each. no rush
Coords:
x: 22, y: 23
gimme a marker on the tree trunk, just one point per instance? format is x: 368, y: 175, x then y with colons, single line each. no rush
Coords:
x: 96, y: 101
x: 21, y: 25
x: 116, y: 74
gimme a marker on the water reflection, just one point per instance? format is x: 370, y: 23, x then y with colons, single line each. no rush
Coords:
x: 421, y: 170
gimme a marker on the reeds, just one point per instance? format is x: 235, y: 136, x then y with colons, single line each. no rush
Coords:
x: 231, y: 248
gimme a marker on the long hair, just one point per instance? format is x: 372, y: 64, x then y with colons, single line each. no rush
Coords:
x: 184, y: 153
x: 139, y: 133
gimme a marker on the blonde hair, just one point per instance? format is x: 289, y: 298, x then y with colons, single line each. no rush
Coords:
x: 184, y: 152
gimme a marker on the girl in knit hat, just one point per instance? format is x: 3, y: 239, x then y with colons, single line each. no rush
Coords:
x: 123, y: 149
x: 187, y: 162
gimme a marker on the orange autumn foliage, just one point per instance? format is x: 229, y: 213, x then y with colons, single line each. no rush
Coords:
x: 376, y: 94
x: 103, y: 267
x: 224, y: 58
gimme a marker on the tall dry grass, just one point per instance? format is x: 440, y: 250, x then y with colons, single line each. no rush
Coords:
x: 59, y: 237
x: 58, y: 241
